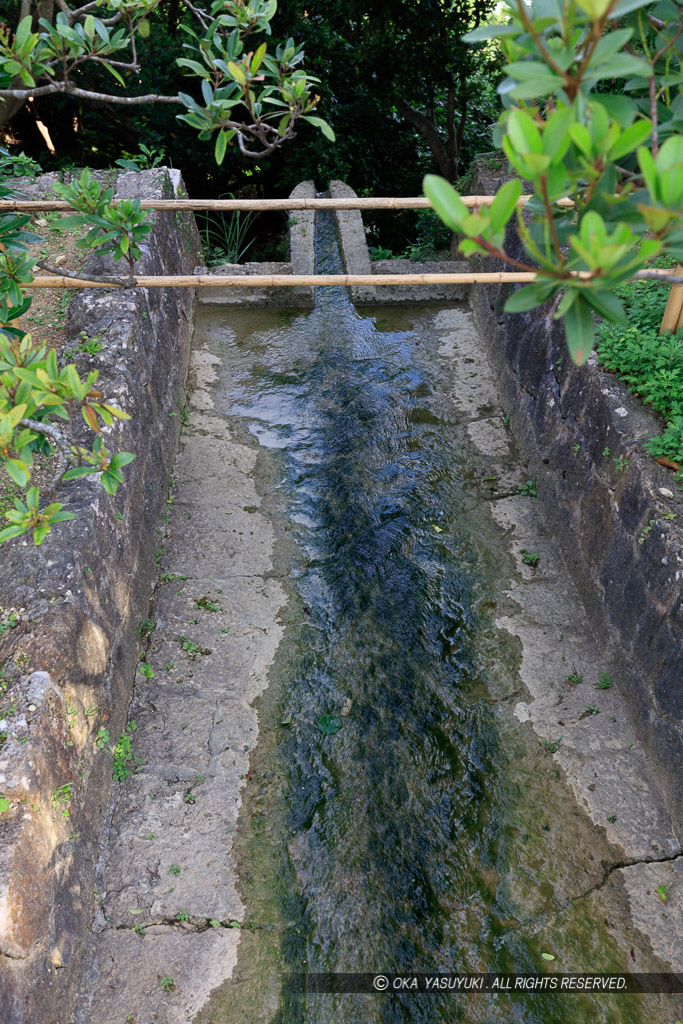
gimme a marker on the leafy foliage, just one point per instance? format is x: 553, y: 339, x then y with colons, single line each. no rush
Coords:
x: 603, y: 202
x: 651, y: 365
x: 253, y: 97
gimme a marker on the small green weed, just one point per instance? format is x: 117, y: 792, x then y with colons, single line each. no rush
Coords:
x: 174, y: 869
x: 528, y: 489
x: 102, y: 738
x: 182, y: 916
x: 574, y: 679
x: 552, y: 746
x: 207, y: 603
x: 61, y: 798
x: 124, y: 761
x: 145, y: 628
x: 192, y: 649
x: 530, y: 558
x: 167, y: 983
x: 146, y: 670
x: 604, y: 682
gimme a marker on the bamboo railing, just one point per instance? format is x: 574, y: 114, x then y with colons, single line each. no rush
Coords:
x: 672, y: 320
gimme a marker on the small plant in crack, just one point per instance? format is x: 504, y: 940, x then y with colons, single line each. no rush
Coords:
x: 145, y: 628
x: 124, y: 761
x: 174, y: 869
x: 167, y: 983
x: 169, y: 577
x: 138, y: 929
x: 574, y: 679
x: 552, y: 746
x: 207, y: 603
x: 611, y: 818
x: 590, y: 709
x: 182, y: 916
x: 192, y: 649
x: 146, y: 669
x: 530, y: 558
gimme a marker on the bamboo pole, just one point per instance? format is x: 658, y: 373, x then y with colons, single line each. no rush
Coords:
x: 673, y: 314
x: 305, y: 280
x: 378, y: 203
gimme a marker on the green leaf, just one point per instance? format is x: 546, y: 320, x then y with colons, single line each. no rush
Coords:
x: 4, y: 804
x: 135, y: 911
x: 523, y: 299
x: 143, y: 28
x: 329, y: 724
x: 579, y: 330
x: 607, y: 305
x: 215, y: 924
x: 662, y: 893
x: 237, y: 73
x: 445, y: 201
x: 523, y: 133
x: 480, y: 35
x: 221, y: 146
x: 503, y: 206
x: 547, y: 956
x: 323, y: 125
x: 17, y: 471
x: 630, y: 139
x: 12, y: 531
x: 287, y: 720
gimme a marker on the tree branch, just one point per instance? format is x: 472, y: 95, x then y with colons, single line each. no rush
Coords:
x: 85, y: 94
x: 60, y: 272
x: 63, y: 453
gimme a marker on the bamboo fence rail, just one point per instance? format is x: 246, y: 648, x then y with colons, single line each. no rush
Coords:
x: 306, y: 280
x: 259, y: 205
x: 672, y: 320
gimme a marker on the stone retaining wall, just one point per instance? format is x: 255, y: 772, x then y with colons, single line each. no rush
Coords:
x: 582, y: 433
x: 71, y: 661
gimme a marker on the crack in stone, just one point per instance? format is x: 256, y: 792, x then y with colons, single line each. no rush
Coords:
x: 13, y: 956
x: 607, y: 874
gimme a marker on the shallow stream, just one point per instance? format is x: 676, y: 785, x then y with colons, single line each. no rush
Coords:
x: 398, y: 817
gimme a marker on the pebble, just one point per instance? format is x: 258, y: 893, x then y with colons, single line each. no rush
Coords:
x: 665, y: 492
x: 32, y: 707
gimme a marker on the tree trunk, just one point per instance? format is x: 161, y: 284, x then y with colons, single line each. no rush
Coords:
x: 10, y: 106
x: 447, y: 164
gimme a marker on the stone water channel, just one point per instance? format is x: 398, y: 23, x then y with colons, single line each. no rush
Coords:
x: 359, y: 751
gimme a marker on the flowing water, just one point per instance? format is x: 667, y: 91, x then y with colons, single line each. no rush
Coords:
x: 430, y: 832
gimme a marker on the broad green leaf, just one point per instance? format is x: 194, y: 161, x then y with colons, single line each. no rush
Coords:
x: 503, y: 206
x: 480, y: 35
x: 4, y: 804
x: 258, y: 58
x: 12, y: 531
x: 329, y: 724
x: 607, y: 305
x: 445, y: 201
x: 323, y: 125
x: 630, y: 139
x: 547, y: 956
x: 17, y: 471
x: 143, y: 28
x: 237, y: 73
x: 221, y: 146
x: 579, y: 330
x: 522, y: 300
x: 524, y: 134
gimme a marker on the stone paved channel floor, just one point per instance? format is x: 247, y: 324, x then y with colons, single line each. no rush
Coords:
x: 166, y: 866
